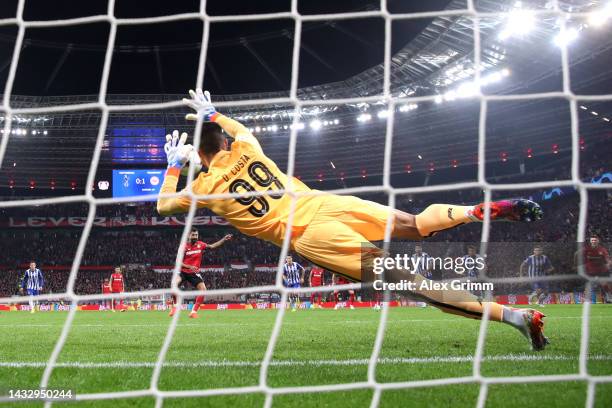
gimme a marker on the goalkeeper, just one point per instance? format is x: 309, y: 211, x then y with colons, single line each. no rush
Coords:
x: 328, y: 230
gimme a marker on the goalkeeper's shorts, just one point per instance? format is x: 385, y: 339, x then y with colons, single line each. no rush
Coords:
x: 342, y: 227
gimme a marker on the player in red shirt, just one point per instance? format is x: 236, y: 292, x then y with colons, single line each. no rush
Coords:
x: 341, y: 280
x: 190, y: 268
x: 596, y: 261
x: 106, y: 289
x: 595, y: 258
x: 316, y: 279
x: 117, y: 286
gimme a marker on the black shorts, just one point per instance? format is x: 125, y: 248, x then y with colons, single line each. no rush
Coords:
x: 193, y: 278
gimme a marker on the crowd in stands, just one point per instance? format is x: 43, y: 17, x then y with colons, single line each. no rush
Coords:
x: 145, y: 247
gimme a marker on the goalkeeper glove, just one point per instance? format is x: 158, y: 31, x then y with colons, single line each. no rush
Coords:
x: 200, y: 102
x: 177, y: 152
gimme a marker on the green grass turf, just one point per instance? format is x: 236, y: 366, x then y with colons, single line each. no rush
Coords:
x: 307, y: 337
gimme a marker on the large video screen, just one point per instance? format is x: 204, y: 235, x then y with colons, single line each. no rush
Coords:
x: 137, y: 145
x: 137, y: 182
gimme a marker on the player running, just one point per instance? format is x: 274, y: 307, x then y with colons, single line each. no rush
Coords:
x: 33, y: 283
x: 293, y: 277
x: 190, y: 269
x: 316, y: 279
x: 327, y: 229
x: 117, y: 286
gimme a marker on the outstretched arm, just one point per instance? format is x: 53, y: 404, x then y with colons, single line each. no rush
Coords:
x: 177, y: 153
x: 220, y: 242
x: 232, y: 127
x: 201, y: 103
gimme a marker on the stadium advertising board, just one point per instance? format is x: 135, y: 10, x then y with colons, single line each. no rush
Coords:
x: 110, y: 222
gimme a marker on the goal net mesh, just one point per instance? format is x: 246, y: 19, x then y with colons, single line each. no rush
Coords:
x: 388, y: 98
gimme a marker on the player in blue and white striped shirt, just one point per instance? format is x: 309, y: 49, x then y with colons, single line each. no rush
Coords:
x: 33, y: 283
x: 537, y: 265
x: 422, y: 262
x: 422, y: 265
x: 476, y: 263
x: 293, y: 277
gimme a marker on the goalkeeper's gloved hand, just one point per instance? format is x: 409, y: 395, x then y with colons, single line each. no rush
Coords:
x: 177, y: 152
x: 200, y: 102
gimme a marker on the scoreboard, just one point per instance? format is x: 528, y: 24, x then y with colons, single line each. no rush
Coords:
x: 138, y: 182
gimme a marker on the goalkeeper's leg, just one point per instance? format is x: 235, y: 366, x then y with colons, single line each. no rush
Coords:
x: 338, y: 234
x: 439, y: 217
x: 369, y: 219
x: 463, y: 303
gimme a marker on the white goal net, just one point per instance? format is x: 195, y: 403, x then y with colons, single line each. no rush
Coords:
x: 393, y: 101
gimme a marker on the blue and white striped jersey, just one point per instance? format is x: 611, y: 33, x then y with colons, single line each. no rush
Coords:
x: 33, y: 279
x: 422, y: 264
x: 293, y: 273
x: 537, y: 265
x: 474, y: 270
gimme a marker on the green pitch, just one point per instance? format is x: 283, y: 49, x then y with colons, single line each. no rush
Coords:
x: 110, y: 352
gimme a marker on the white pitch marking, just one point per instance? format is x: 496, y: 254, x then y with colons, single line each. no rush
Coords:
x: 314, y: 363
x: 207, y: 324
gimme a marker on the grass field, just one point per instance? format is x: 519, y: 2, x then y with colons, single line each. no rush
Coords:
x: 108, y: 352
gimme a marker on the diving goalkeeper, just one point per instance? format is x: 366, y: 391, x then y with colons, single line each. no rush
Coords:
x: 329, y: 230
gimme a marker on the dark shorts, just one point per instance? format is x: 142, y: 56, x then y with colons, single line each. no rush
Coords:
x: 33, y: 292
x: 193, y: 278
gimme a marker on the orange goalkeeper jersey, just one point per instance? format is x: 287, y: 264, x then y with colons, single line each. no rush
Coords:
x: 245, y: 168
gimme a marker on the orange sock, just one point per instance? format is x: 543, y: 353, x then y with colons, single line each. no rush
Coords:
x: 438, y: 217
